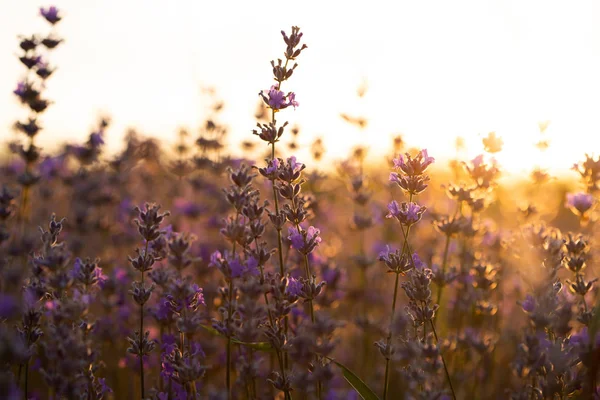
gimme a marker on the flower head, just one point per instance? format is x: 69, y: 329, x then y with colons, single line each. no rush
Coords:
x: 414, y: 166
x: 294, y: 287
x: 296, y: 238
x: 482, y: 172
x: 407, y: 213
x: 304, y: 241
x: 396, y: 261
x: 96, y: 139
x: 293, y: 41
x: 51, y: 14
x: 580, y: 202
x: 278, y: 100
x: 528, y: 304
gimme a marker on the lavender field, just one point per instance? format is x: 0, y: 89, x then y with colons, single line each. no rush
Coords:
x: 182, y: 273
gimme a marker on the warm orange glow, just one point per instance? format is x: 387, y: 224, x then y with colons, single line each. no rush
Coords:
x: 434, y: 71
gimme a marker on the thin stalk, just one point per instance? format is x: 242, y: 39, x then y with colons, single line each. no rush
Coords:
x: 24, y: 209
x: 228, y: 371
x: 287, y: 394
x: 271, y: 321
x: 405, y: 246
x: 585, y: 306
x: 26, y: 380
x: 276, y: 200
x: 443, y: 362
x: 279, y: 244
x: 309, y: 277
x: 253, y: 381
x: 312, y: 318
x: 143, y: 393
x: 262, y: 279
x: 229, y: 321
x: 141, y: 356
x: 161, y: 383
x: 193, y: 389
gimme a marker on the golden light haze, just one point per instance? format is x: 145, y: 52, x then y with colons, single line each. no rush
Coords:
x: 435, y: 70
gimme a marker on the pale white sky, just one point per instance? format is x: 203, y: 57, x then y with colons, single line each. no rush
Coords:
x: 436, y: 69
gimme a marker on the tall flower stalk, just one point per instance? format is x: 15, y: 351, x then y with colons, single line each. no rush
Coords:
x: 276, y: 100
x: 29, y: 91
x: 148, y: 224
x: 411, y: 178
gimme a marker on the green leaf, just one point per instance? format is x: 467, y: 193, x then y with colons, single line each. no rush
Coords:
x: 361, y: 388
x: 260, y: 346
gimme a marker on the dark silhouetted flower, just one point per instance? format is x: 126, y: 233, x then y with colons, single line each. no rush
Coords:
x: 51, y: 14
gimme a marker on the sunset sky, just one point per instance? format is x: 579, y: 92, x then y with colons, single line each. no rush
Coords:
x: 435, y: 70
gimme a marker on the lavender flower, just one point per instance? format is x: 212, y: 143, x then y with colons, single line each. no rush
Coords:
x: 294, y: 287
x: 278, y: 100
x: 305, y: 241
x: 580, y: 203
x: 414, y: 166
x: 51, y: 14
x: 407, y: 213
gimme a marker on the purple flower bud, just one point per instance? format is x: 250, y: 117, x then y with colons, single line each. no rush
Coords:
x: 96, y: 139
x: 304, y: 241
x: 413, y: 166
x: 292, y: 100
x: 296, y: 238
x: 417, y: 262
x: 273, y: 166
x: 394, y: 208
x: 294, y: 164
x: 294, y: 287
x: 528, y: 304
x: 21, y: 89
x: 278, y: 100
x: 237, y: 269
x: 51, y: 14
x: 580, y: 202
x: 407, y: 213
